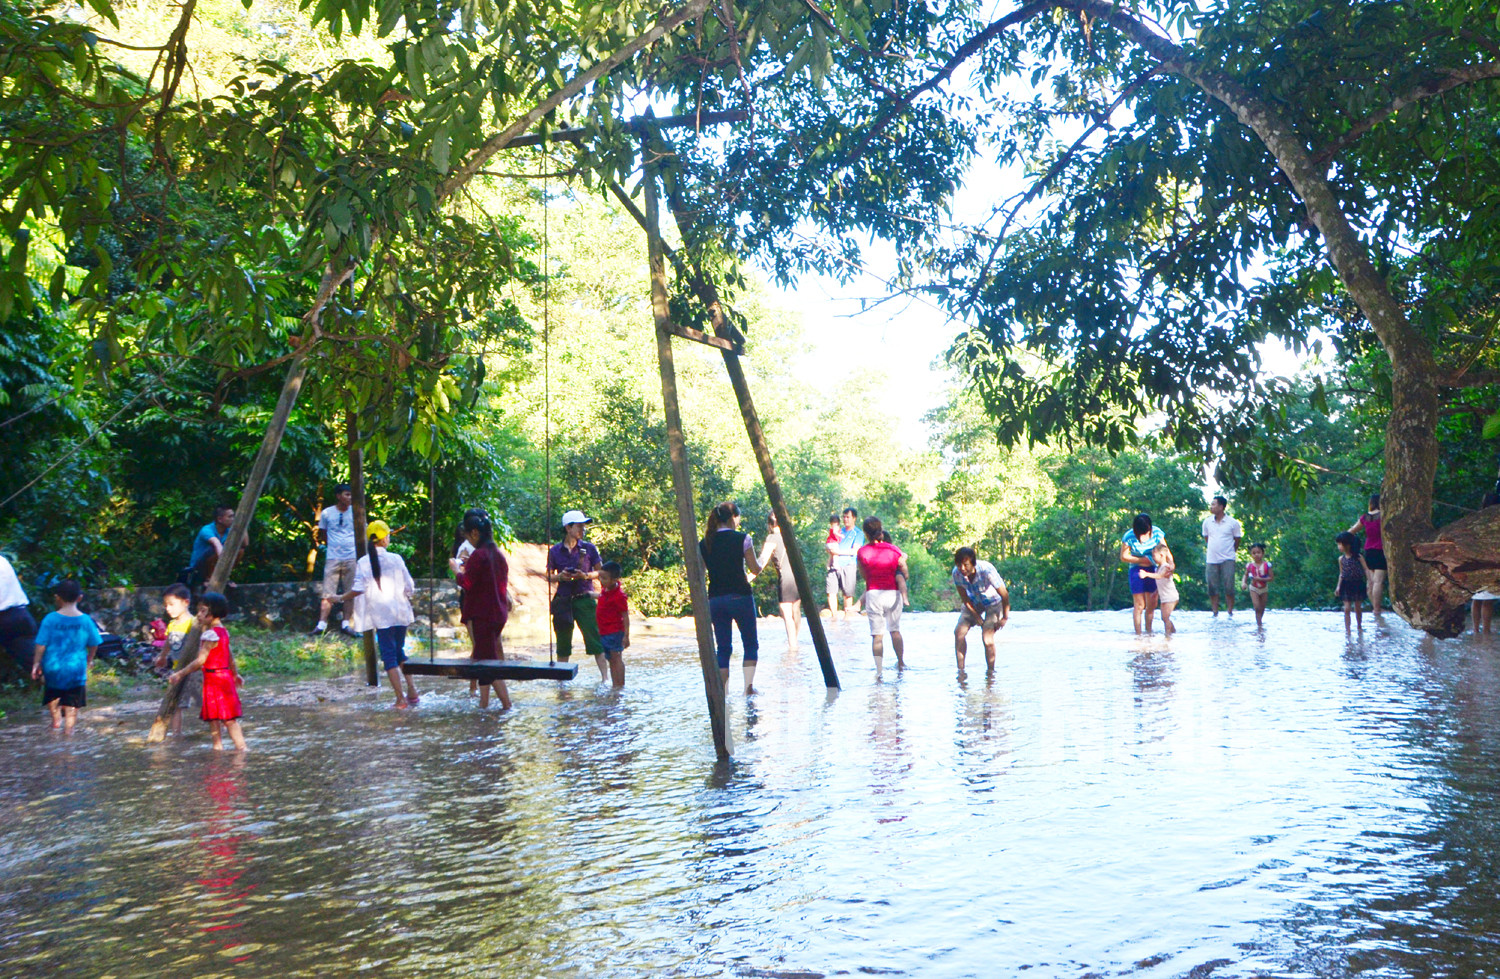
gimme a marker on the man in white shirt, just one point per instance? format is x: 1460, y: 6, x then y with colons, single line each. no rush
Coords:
x: 336, y: 529
x: 17, y: 627
x: 1222, y: 533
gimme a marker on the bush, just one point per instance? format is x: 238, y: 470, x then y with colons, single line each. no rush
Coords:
x: 659, y: 592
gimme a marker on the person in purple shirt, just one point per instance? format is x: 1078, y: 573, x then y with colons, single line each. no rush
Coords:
x: 573, y: 565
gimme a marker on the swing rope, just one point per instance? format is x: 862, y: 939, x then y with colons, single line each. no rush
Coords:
x: 431, y: 558
x: 547, y: 400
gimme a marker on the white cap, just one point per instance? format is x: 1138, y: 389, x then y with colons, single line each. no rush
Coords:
x: 575, y: 516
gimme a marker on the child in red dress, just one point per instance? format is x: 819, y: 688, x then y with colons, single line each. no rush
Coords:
x: 221, y: 702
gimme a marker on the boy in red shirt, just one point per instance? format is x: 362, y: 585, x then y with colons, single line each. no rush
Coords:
x: 613, y: 615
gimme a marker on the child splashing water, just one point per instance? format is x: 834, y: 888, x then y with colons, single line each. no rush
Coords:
x: 1258, y: 575
x: 1352, y: 574
x: 1166, y: 588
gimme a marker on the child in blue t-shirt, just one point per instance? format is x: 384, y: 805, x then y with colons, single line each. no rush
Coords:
x: 65, y: 646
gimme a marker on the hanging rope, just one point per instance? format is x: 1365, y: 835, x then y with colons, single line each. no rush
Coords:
x: 431, y: 557
x: 547, y: 398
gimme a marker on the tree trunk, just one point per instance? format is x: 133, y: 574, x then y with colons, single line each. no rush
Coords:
x: 361, y: 530
x: 682, y: 486
x: 239, y: 530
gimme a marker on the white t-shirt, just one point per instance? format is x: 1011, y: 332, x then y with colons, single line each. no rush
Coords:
x: 11, y: 592
x: 1221, y: 535
x: 338, y: 526
x: 386, y: 602
x: 464, y: 550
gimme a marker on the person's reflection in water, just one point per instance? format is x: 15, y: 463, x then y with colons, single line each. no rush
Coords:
x: 890, y: 763
x: 1153, y: 675
x: 221, y: 867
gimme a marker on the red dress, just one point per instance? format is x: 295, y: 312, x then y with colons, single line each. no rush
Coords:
x: 484, y: 579
x: 221, y: 701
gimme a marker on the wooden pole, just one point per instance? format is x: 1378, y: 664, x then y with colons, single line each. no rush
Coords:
x: 361, y: 526
x: 238, y: 530
x: 708, y: 294
x: 682, y: 485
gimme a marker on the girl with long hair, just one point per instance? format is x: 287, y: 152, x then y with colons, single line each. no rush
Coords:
x: 774, y: 552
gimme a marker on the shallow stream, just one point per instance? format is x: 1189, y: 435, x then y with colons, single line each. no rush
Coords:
x: 1229, y: 803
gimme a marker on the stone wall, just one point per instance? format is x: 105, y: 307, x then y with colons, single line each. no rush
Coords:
x: 293, y: 605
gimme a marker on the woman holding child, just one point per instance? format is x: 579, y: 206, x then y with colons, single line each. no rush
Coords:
x: 1136, y: 548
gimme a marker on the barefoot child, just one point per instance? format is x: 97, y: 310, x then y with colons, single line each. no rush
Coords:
x: 221, y: 701
x: 1166, y: 588
x: 1258, y: 575
x: 177, y: 600
x: 1352, y: 573
x: 381, y: 598
x: 65, y: 646
x: 614, y: 624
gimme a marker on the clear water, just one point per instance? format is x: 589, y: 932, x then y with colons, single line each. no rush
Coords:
x: 1226, y: 804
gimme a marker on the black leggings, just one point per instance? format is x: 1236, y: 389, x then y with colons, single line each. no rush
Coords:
x: 18, y: 636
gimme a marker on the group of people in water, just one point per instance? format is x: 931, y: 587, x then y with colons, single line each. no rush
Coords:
x: 588, y: 598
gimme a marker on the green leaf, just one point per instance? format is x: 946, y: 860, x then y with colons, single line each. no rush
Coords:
x: 1492, y: 426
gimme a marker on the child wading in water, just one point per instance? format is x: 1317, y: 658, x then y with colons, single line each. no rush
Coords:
x: 1258, y: 575
x: 221, y: 701
x: 177, y: 600
x: 614, y: 624
x: 1166, y: 588
x: 1352, y: 574
x: 65, y: 645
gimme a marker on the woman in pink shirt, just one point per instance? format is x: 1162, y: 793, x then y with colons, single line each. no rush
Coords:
x: 1369, y: 525
x: 879, y: 562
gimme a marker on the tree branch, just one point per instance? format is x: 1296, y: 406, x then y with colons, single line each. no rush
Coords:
x: 580, y: 81
x: 1454, y: 79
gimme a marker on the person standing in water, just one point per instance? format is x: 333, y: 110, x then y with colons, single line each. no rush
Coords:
x: 842, y: 574
x: 485, y: 579
x: 1166, y: 588
x: 774, y: 553
x: 1369, y: 524
x: 1258, y: 575
x: 1352, y: 575
x: 985, y: 601
x: 727, y: 554
x: 381, y: 598
x: 879, y: 563
x: 1135, y: 550
x: 1222, y: 535
x: 574, y: 566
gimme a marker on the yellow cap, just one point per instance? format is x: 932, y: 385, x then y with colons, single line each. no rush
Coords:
x: 377, y: 529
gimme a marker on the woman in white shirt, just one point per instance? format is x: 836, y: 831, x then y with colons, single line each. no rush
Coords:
x: 382, y: 601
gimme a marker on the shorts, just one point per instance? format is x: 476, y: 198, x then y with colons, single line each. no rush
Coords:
x: 392, y: 644
x: 1375, y: 559
x: 613, y: 642
x: 338, y: 577
x: 1139, y: 585
x: 1219, y: 577
x: 841, y: 579
x: 71, y: 697
x: 883, y: 609
x: 991, y: 618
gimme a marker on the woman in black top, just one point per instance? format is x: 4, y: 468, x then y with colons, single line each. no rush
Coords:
x: 727, y: 553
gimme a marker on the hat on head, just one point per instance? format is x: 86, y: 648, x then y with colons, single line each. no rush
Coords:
x: 377, y: 529
x: 575, y: 516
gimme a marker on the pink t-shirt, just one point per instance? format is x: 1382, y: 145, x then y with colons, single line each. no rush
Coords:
x: 1371, y: 527
x: 879, y: 562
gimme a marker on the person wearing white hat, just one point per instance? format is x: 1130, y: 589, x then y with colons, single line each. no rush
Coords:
x: 573, y: 565
x: 17, y: 627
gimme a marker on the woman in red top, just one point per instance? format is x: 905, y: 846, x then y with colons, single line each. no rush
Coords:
x: 1369, y: 524
x: 879, y: 563
x: 221, y: 701
x: 485, y: 579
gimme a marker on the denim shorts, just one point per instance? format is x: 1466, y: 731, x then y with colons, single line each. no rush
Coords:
x: 613, y: 642
x: 392, y: 644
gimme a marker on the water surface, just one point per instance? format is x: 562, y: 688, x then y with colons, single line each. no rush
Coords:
x: 1229, y: 803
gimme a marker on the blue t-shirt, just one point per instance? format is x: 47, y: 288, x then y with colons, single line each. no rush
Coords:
x: 850, y: 541
x: 201, y: 545
x: 1143, y: 548
x: 67, y: 639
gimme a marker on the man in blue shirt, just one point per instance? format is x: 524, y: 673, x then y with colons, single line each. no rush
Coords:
x: 841, y: 575
x: 208, y: 545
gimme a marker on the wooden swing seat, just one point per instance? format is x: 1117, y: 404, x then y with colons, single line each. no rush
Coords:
x: 486, y: 670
